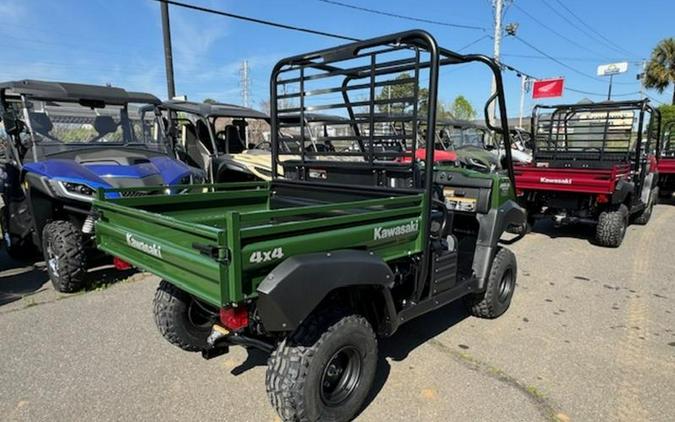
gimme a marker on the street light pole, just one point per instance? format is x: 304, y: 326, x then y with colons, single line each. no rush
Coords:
x: 609, y: 93
x: 168, y: 55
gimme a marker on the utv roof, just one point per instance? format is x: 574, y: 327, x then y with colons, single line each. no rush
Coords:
x: 214, y: 109
x: 66, y: 91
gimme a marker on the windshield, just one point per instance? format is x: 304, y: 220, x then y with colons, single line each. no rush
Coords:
x: 74, y: 124
x: 454, y: 137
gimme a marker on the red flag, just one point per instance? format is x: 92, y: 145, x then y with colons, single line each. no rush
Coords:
x: 548, y: 88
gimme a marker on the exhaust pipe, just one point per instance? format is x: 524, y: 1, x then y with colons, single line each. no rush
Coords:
x: 220, y: 340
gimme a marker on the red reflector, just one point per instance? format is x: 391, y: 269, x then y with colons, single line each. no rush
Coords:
x: 602, y: 199
x: 234, y: 318
x: 121, y: 265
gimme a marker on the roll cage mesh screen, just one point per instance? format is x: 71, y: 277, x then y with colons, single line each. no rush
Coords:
x: 365, y: 107
x: 593, y: 132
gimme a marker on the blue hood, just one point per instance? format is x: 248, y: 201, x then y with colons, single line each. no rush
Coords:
x: 159, y: 170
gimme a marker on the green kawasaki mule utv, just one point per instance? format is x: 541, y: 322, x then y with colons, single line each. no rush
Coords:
x: 314, y: 266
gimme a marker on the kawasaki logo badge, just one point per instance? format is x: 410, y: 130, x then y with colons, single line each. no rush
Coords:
x: 382, y: 233
x: 565, y: 181
x: 151, y: 249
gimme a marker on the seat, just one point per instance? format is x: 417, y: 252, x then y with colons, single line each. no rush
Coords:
x: 233, y: 142
x: 104, y: 125
x: 41, y: 123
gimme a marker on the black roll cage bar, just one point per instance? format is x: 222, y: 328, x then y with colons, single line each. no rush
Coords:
x: 413, y: 39
x: 605, y: 106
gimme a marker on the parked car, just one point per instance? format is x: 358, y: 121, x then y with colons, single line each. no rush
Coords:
x: 62, y: 142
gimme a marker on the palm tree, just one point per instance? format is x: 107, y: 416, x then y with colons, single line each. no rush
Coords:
x: 660, y: 70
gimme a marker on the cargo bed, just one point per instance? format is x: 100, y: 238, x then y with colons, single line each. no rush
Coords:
x: 219, y: 242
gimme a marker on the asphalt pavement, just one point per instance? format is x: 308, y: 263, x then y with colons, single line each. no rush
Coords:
x: 590, y: 336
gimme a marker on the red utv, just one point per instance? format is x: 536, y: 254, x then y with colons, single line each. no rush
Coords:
x: 666, y: 166
x: 594, y: 164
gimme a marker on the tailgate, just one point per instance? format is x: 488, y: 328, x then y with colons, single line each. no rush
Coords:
x: 180, y: 252
x: 568, y: 180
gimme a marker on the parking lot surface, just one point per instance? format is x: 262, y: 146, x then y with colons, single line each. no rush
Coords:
x: 590, y: 336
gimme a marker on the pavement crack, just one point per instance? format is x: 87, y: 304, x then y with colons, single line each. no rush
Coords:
x: 544, y: 405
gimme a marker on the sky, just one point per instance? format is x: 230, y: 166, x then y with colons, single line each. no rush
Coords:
x: 120, y: 42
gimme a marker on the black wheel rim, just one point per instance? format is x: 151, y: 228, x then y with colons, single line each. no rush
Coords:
x: 505, y: 285
x: 341, y: 376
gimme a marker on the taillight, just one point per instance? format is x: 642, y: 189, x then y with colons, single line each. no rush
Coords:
x: 520, y: 192
x: 602, y: 198
x: 234, y: 318
x: 121, y: 265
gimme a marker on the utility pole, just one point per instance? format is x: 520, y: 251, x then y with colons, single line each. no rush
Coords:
x: 168, y: 55
x: 641, y: 77
x: 244, y: 82
x: 499, y: 12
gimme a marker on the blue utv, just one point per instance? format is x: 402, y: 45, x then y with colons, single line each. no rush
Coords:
x: 59, y: 143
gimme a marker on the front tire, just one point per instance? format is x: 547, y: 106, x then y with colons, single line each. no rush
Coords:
x: 181, y: 319
x: 500, y: 287
x: 324, y: 370
x: 611, y: 227
x: 64, y: 255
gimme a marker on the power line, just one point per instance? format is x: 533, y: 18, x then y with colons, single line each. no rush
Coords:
x: 571, y: 59
x: 609, y: 42
x: 550, y: 29
x: 344, y: 37
x: 561, y: 63
x: 474, y: 42
x: 410, y: 18
x: 256, y: 20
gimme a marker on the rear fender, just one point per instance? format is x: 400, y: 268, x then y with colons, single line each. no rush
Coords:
x: 647, y: 186
x: 622, y: 191
x: 297, y: 286
x: 492, y: 226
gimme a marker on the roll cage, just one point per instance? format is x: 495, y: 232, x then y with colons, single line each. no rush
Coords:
x: 597, y: 134
x: 350, y: 81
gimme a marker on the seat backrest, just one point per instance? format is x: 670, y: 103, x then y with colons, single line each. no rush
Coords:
x: 104, y: 125
x: 41, y: 123
x: 233, y: 142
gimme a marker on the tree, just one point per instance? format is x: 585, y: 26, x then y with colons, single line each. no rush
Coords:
x: 667, y: 114
x: 660, y: 70
x: 407, y: 89
x: 462, y: 109
x: 210, y: 101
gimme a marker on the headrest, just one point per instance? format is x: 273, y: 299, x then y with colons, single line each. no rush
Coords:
x: 41, y: 123
x: 104, y: 125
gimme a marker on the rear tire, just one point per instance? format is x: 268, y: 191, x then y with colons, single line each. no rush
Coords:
x: 611, y: 227
x: 181, y: 319
x: 64, y: 256
x: 646, y: 214
x: 324, y: 370
x: 500, y: 287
